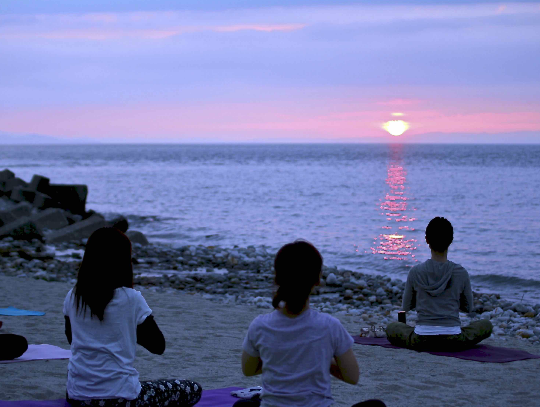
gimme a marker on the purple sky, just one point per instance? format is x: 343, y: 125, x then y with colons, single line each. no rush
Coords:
x: 282, y: 71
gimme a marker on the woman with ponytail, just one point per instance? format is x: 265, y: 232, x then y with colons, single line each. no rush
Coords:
x: 296, y: 348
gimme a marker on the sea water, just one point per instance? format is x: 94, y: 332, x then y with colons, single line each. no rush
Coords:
x: 364, y: 206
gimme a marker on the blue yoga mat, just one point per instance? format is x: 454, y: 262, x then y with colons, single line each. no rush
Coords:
x: 12, y: 311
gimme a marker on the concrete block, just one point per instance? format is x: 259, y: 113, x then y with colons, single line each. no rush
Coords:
x: 78, y: 231
x: 6, y: 174
x: 137, y: 237
x: 39, y: 183
x: 8, y: 185
x: 42, y: 201
x: 21, y: 210
x: 52, y: 218
x: 37, y: 199
x: 21, y: 229
x: 69, y: 197
x: 22, y: 194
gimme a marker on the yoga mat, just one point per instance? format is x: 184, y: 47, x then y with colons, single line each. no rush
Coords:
x: 210, y: 398
x: 480, y: 353
x: 12, y: 311
x: 217, y: 397
x: 41, y: 352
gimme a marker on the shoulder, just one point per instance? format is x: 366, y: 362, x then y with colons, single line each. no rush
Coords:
x: 68, y: 296
x: 261, y: 320
x: 128, y: 293
x: 324, y: 319
x: 417, y: 269
x: 459, y: 270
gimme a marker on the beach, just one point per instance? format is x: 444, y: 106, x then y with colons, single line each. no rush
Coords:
x: 204, y: 342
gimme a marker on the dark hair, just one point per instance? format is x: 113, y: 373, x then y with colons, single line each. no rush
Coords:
x: 298, y: 266
x: 439, y: 234
x: 106, y: 266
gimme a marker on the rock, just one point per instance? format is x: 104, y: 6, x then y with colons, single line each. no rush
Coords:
x: 52, y: 218
x: 69, y: 197
x: 372, y: 299
x: 331, y: 279
x: 137, y: 237
x: 529, y: 314
x: 120, y: 223
x: 37, y: 199
x: 526, y: 333
x: 6, y: 174
x: 348, y: 294
x: 21, y: 229
x: 39, y: 183
x: 11, y: 215
x: 7, y: 186
x: 42, y: 201
x: 380, y: 292
x: 78, y: 231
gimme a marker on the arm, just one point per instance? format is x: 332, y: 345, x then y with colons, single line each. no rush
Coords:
x: 67, y: 328
x: 466, y: 297
x: 251, y: 365
x: 150, y: 336
x: 409, y: 295
x: 345, y: 367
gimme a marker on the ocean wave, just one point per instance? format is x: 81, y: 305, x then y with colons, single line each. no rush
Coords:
x: 497, y: 279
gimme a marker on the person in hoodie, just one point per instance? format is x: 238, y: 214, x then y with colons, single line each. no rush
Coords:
x: 438, y: 289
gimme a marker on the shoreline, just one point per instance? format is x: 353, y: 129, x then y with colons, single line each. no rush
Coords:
x: 204, y: 341
x: 244, y: 276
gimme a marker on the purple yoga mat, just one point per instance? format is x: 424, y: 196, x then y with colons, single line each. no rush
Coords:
x: 210, y: 398
x: 41, y: 352
x: 480, y: 353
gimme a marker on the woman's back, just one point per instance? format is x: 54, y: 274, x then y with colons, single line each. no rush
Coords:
x: 296, y: 355
x: 103, y: 352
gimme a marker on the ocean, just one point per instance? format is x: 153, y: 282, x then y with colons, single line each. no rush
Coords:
x: 365, y: 206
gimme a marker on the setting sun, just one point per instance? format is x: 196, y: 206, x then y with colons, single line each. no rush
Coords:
x: 396, y: 127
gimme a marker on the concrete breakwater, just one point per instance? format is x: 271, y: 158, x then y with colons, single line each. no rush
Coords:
x: 245, y: 276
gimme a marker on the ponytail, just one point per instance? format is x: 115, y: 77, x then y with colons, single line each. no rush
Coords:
x: 297, y: 266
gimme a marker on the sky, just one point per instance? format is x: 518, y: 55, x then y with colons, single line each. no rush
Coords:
x: 270, y: 71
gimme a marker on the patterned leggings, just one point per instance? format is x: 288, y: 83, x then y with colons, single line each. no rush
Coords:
x: 158, y: 393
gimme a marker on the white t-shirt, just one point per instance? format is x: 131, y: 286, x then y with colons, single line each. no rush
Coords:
x: 436, y: 330
x: 103, y: 352
x: 296, y: 355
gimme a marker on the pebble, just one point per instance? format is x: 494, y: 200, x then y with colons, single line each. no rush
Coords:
x: 245, y: 276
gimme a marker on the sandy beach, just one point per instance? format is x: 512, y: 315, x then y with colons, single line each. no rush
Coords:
x: 204, y: 342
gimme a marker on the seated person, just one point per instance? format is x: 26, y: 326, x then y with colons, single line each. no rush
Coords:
x: 296, y: 348
x: 12, y: 346
x: 438, y: 289
x: 105, y: 318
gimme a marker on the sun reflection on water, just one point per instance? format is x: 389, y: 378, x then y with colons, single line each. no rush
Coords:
x: 394, y: 244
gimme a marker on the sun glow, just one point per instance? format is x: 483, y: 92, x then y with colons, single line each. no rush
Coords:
x: 396, y: 127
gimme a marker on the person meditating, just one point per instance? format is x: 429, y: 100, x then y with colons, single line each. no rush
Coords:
x: 105, y: 318
x: 296, y: 348
x: 438, y: 289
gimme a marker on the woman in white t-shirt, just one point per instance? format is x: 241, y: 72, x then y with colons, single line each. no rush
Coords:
x: 296, y: 348
x: 105, y: 319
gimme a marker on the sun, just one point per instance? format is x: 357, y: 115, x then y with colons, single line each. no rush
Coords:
x: 396, y: 127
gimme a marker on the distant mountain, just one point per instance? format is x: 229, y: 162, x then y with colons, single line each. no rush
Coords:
x: 26, y: 139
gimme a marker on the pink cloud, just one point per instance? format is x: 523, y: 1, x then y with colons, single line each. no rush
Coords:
x: 260, y: 27
x: 400, y: 102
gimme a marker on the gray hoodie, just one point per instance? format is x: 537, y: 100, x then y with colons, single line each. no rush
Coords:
x: 438, y: 291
